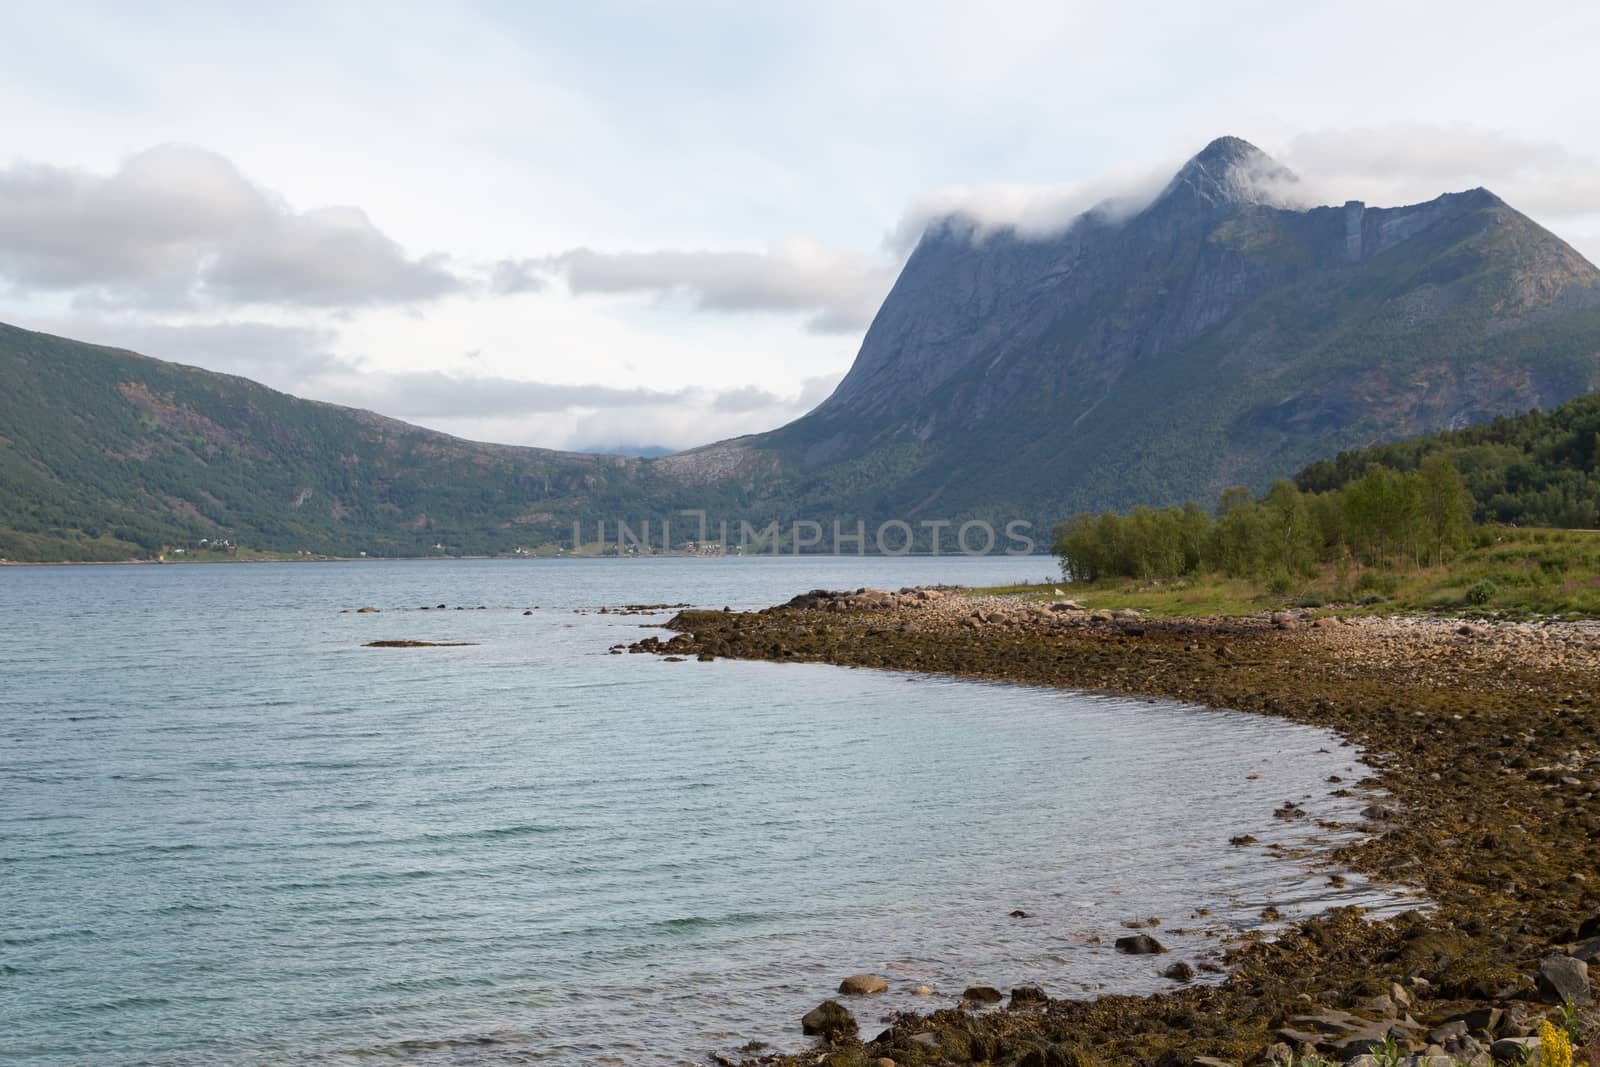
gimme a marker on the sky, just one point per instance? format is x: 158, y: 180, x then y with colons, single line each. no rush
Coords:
x: 614, y: 225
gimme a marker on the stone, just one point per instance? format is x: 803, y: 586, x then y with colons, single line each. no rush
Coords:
x: 1377, y: 812
x: 1454, y: 1028
x: 1562, y: 978
x: 1514, y: 1049
x: 1276, y: 1055
x: 1590, y: 927
x: 1587, y: 951
x: 1048, y: 1057
x: 926, y: 1040
x: 1282, y: 620
x: 982, y: 994
x: 1028, y: 994
x: 860, y: 985
x: 1514, y: 1022
x: 1179, y: 972
x: 366, y: 611
x: 1382, y: 1005
x: 1139, y: 945
x: 1478, y: 1020
x: 829, y: 1019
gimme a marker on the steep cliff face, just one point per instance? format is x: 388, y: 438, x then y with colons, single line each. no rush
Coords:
x: 1217, y: 337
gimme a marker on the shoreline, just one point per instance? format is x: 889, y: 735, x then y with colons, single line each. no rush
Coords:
x: 1487, y: 736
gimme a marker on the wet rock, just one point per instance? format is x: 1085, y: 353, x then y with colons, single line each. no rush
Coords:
x: 1139, y: 945
x: 829, y: 1019
x: 1562, y: 978
x: 1377, y: 812
x: 860, y: 985
x: 1179, y: 972
x: 1028, y: 994
x: 366, y: 611
x: 1048, y: 1057
x: 982, y: 994
x: 1019, y: 914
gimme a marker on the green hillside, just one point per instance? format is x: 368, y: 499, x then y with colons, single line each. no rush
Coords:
x: 1541, y: 468
x: 108, y: 455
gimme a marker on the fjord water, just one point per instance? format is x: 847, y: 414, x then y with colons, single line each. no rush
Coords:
x: 231, y: 834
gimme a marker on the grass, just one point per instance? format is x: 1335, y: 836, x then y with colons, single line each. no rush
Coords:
x: 1516, y: 573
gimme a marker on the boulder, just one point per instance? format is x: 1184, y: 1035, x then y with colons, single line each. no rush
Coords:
x: 366, y: 611
x: 1179, y: 972
x: 1028, y: 994
x: 1587, y: 951
x: 982, y: 994
x: 1562, y: 978
x: 860, y: 985
x: 829, y: 1019
x: 1514, y: 1049
x: 1139, y: 945
x: 1478, y: 1020
x: 1590, y: 927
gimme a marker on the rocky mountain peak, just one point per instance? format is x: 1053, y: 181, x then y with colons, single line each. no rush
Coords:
x: 1230, y: 172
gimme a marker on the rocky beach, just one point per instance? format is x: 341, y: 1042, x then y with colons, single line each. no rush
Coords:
x: 1485, y: 734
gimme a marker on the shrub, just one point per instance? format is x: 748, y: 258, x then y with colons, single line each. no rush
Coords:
x: 1374, y: 581
x: 1480, y: 593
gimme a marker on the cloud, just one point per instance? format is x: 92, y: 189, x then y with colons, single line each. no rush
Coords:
x: 512, y: 276
x: 1405, y: 163
x: 177, y: 225
x: 840, y: 291
x: 436, y: 395
x: 1031, y: 210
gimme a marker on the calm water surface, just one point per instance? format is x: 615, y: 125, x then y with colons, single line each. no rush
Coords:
x: 231, y: 835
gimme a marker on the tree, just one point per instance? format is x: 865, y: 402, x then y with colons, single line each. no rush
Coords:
x: 1446, y: 507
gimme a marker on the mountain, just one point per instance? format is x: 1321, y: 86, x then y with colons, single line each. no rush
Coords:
x: 105, y: 454
x: 1219, y: 335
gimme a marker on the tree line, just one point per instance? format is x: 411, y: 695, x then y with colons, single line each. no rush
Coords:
x: 1383, y: 518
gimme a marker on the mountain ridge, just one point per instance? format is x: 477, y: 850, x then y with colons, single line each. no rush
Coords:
x: 1213, y: 337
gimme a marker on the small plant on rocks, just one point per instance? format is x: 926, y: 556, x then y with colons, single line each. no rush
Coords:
x: 1555, y: 1046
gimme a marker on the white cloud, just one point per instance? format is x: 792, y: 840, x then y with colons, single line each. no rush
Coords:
x: 1032, y: 210
x: 176, y: 225
x: 1402, y: 163
x: 840, y: 292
